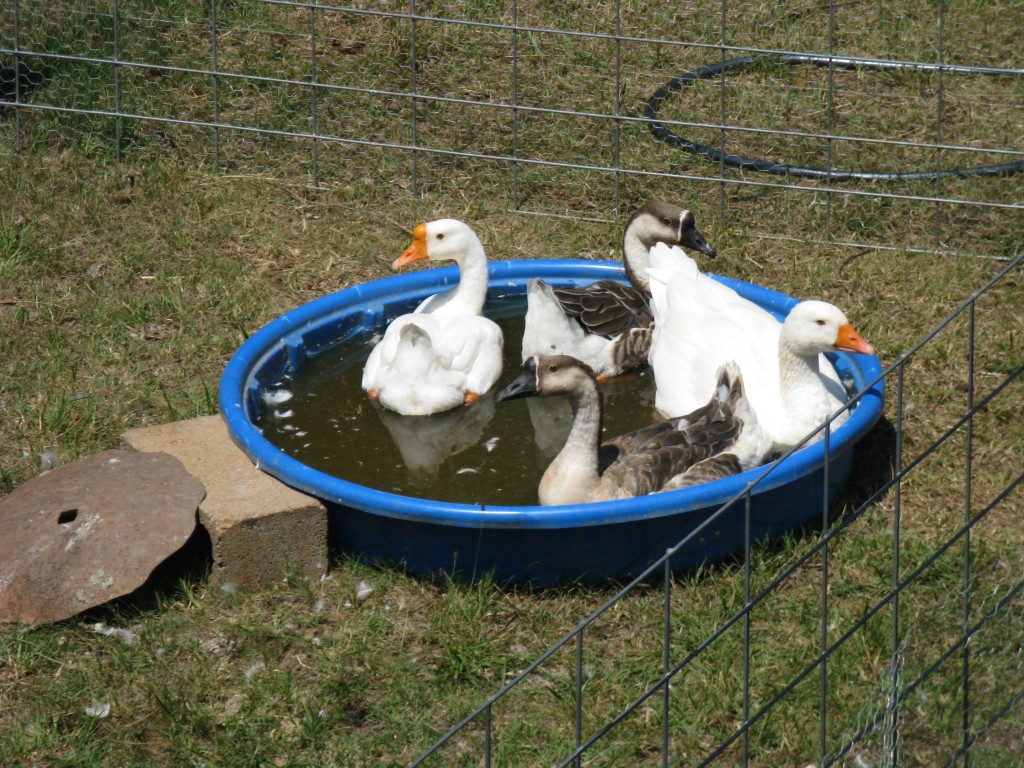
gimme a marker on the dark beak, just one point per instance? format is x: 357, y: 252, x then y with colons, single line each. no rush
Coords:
x: 524, y: 385
x: 693, y: 239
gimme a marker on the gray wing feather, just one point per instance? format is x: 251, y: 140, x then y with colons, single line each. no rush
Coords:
x: 678, y: 453
x: 607, y: 308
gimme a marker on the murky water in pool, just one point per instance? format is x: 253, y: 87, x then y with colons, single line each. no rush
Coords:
x: 486, y: 453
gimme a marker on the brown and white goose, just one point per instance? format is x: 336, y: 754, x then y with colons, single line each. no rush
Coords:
x: 608, y: 324
x: 719, y: 439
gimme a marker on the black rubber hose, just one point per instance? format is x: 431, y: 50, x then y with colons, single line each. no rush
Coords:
x: 782, y: 169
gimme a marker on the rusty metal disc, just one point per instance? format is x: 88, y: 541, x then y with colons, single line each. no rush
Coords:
x: 91, y: 531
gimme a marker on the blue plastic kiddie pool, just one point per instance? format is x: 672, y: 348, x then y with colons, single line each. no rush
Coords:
x: 614, y: 540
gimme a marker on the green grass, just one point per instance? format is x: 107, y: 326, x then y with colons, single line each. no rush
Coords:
x: 125, y: 288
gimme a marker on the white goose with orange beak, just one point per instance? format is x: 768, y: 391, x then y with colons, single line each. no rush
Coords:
x: 445, y: 353
x: 792, y: 387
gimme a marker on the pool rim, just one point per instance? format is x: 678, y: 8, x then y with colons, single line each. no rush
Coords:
x: 507, y: 277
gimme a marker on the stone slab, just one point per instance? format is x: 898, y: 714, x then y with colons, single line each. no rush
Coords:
x: 261, y: 529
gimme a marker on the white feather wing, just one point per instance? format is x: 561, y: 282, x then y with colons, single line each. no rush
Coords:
x: 429, y: 369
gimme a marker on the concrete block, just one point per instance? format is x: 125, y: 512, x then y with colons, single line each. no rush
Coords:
x: 260, y: 528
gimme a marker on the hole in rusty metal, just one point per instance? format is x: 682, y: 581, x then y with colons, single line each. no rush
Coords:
x: 67, y: 516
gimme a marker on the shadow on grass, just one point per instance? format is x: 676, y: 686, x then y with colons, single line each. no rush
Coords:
x: 874, y: 464
x: 188, y: 567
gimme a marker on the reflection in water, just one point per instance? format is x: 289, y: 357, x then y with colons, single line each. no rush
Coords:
x: 474, y: 454
x: 425, y: 442
x: 551, y: 418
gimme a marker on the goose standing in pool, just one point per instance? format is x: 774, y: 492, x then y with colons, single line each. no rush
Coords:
x: 444, y: 353
x: 608, y: 324
x: 792, y: 387
x: 719, y: 439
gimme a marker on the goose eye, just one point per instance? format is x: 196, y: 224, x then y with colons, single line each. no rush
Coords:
x: 820, y: 322
x: 439, y: 236
x: 552, y: 367
x: 666, y: 222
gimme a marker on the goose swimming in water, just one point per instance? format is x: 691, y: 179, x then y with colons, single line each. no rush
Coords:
x: 718, y: 439
x: 444, y: 353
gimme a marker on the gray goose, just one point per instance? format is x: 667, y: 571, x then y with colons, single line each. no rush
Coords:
x: 608, y: 324
x: 718, y: 439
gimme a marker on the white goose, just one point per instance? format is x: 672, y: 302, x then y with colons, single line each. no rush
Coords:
x: 444, y: 353
x: 721, y: 438
x: 792, y: 387
x: 608, y: 324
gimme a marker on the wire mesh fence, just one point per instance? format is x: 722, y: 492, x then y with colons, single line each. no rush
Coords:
x: 881, y: 125
x: 910, y: 120
x: 936, y: 633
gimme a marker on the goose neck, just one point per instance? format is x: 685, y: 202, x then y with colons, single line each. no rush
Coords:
x: 636, y: 258
x: 799, y: 381
x: 472, y: 287
x: 577, y: 462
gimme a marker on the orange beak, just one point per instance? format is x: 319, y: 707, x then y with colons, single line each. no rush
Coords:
x: 849, y: 340
x: 417, y: 250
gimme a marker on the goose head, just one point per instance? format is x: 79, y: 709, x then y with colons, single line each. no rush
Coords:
x: 441, y: 240
x: 661, y: 222
x: 817, y: 326
x: 545, y: 375
x: 658, y: 222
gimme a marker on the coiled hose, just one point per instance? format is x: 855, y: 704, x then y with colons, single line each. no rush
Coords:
x: 663, y: 133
